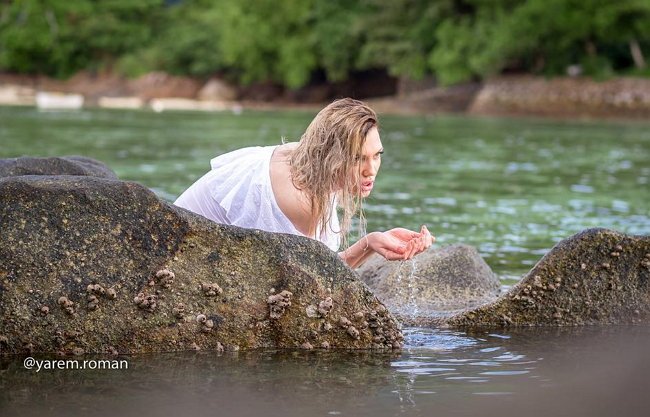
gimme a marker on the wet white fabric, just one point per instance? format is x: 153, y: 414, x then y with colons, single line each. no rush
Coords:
x: 237, y: 191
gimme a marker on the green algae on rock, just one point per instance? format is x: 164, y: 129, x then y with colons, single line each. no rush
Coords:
x: 101, y: 265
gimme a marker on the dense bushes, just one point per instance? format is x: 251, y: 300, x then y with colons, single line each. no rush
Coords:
x: 287, y: 41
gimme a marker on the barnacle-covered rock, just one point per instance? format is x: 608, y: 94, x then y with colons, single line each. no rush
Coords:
x: 99, y: 243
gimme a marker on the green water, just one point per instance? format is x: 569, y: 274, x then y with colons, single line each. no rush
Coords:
x: 511, y: 188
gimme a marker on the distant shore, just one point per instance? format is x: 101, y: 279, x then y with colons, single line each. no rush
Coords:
x: 563, y: 97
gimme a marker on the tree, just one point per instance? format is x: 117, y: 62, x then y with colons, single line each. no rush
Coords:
x: 539, y: 36
x: 401, y: 33
x: 60, y: 37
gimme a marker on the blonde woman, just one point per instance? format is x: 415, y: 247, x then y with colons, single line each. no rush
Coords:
x: 296, y: 187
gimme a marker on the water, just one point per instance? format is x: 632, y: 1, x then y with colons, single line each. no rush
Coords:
x: 407, y: 288
x: 511, y: 188
x: 544, y: 372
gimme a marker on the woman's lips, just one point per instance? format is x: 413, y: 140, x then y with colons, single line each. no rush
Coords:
x: 367, y: 185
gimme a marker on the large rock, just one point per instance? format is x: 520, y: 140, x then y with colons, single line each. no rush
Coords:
x: 98, y: 265
x: 597, y: 276
x: 217, y: 90
x: 563, y: 97
x: 64, y: 165
x: 437, y: 282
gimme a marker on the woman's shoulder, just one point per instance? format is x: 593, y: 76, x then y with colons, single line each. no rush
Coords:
x: 283, y: 152
x: 242, y: 155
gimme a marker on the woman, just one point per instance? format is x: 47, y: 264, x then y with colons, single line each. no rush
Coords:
x: 296, y: 187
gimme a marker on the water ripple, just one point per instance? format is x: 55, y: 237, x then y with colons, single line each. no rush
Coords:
x: 435, y: 339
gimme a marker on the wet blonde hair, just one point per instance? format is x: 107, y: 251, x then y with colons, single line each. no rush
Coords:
x: 326, y: 162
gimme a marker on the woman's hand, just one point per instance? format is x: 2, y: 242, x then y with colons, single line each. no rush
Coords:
x: 415, y: 243
x: 400, y: 243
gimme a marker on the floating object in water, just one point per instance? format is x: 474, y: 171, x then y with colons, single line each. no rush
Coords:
x: 58, y: 101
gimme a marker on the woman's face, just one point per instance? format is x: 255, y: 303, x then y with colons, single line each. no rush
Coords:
x: 369, y: 162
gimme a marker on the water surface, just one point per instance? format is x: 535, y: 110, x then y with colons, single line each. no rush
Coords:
x: 544, y: 372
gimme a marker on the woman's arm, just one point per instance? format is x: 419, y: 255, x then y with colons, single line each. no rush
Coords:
x: 358, y: 253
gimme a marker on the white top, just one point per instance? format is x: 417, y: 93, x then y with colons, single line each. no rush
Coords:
x: 238, y: 191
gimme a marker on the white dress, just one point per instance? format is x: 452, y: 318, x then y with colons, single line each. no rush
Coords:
x: 238, y: 191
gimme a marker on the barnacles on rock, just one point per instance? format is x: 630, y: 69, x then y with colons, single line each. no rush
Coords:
x: 278, y: 303
x: 146, y: 302
x: 325, y: 306
x: 211, y: 290
x: 205, y: 324
x: 164, y: 277
x: 66, y: 304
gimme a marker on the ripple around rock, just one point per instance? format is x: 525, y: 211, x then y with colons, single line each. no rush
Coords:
x: 67, y: 236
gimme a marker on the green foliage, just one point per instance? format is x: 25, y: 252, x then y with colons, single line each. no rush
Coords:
x: 401, y: 33
x: 60, y: 37
x: 338, y: 35
x: 538, y: 36
x: 288, y: 41
x: 187, y: 43
x: 267, y: 39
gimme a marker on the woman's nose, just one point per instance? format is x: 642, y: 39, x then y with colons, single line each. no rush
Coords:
x: 370, y: 168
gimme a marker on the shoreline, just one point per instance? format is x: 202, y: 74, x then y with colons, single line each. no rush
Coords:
x: 563, y: 98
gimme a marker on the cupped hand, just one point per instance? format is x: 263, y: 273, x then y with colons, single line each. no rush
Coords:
x: 415, y: 242
x: 400, y: 243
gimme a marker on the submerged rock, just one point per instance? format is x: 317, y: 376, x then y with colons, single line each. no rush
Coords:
x: 598, y: 276
x: 65, y: 165
x: 120, y: 270
x: 436, y: 282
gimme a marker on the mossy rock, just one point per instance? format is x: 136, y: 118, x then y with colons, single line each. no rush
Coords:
x: 92, y: 264
x: 597, y: 276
